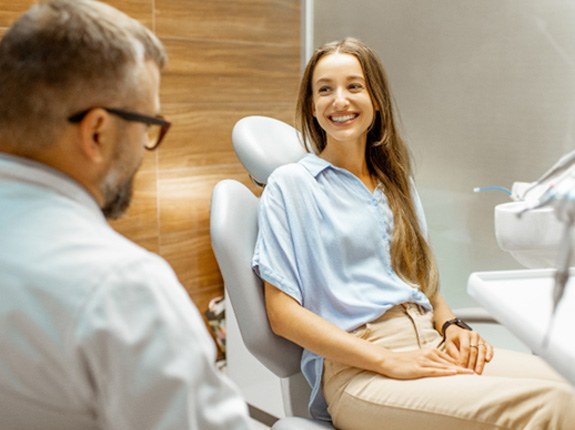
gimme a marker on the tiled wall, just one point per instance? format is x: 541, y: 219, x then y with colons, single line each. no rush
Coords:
x: 227, y: 59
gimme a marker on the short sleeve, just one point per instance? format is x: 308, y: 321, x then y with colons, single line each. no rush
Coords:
x: 275, y: 254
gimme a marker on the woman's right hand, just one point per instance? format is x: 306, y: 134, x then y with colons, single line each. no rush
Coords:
x: 420, y: 363
x: 291, y: 320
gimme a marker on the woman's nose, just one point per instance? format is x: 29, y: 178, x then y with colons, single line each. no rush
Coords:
x: 340, y: 100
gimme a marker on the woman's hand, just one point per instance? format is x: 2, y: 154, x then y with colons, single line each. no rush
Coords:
x: 421, y: 363
x: 468, y: 348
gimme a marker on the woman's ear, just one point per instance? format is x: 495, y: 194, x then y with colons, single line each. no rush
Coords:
x: 95, y: 130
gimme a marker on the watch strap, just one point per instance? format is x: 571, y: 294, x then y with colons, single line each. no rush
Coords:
x: 458, y: 322
x: 455, y: 321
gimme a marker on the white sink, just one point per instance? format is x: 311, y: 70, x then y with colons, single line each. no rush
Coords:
x: 533, y: 238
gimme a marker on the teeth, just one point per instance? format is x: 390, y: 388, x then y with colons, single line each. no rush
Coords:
x: 342, y: 118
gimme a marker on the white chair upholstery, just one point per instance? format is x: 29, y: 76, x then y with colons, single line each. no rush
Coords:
x: 262, y: 144
x: 233, y: 227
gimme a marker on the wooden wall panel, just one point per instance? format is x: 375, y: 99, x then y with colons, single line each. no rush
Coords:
x: 197, y: 128
x: 142, y: 10
x: 259, y: 22
x: 227, y: 59
x: 203, y: 72
x: 10, y: 10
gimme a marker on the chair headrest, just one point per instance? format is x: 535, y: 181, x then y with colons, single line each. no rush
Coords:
x: 262, y: 144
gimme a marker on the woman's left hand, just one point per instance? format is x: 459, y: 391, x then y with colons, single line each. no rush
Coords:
x: 468, y: 348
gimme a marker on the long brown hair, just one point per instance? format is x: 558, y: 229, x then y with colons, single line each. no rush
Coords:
x: 387, y: 158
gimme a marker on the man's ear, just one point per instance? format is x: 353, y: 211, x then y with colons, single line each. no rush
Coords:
x: 95, y: 129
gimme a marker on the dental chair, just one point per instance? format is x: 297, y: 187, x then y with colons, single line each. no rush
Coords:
x: 262, y: 144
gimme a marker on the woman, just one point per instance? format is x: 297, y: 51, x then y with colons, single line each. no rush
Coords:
x: 350, y: 277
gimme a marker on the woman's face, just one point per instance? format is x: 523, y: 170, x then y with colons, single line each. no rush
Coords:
x: 340, y: 100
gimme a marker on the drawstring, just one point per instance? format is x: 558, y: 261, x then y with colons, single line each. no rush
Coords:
x: 407, y: 312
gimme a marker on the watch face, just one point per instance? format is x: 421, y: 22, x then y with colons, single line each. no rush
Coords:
x: 457, y: 322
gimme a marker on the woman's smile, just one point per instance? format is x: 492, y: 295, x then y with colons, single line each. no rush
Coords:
x: 342, y: 118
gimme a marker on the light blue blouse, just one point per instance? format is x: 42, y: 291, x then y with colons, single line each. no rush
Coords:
x: 324, y: 239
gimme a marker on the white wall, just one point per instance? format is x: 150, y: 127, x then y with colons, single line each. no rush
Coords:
x: 486, y: 92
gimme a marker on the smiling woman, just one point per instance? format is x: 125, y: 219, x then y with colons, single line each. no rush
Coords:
x: 349, y: 276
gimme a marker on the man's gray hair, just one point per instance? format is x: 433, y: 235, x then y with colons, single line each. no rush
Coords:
x: 64, y: 56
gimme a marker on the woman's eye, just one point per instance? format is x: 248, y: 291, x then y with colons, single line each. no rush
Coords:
x: 356, y: 87
x: 323, y: 90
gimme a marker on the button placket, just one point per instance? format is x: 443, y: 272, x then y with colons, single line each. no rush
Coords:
x: 385, y: 223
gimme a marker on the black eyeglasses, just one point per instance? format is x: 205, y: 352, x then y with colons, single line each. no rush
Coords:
x: 157, y: 125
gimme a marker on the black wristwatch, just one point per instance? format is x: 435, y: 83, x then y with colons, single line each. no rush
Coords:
x: 457, y: 322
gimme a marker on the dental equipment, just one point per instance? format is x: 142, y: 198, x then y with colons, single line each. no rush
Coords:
x: 562, y: 165
x: 560, y: 195
x: 493, y: 188
x: 561, y: 278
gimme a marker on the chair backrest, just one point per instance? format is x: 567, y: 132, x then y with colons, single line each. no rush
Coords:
x: 233, y: 230
x: 262, y: 144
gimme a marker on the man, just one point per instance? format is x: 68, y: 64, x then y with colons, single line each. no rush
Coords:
x: 95, y: 332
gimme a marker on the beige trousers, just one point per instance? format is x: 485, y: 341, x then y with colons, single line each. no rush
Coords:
x: 516, y: 391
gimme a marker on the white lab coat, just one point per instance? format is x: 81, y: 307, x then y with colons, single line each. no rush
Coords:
x: 95, y: 331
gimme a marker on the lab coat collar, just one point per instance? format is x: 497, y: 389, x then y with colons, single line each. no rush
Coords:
x: 20, y: 169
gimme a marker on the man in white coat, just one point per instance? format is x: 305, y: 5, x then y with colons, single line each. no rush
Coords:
x: 95, y: 332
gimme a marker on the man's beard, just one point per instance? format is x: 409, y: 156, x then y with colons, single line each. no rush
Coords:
x: 118, y: 198
x: 117, y: 186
